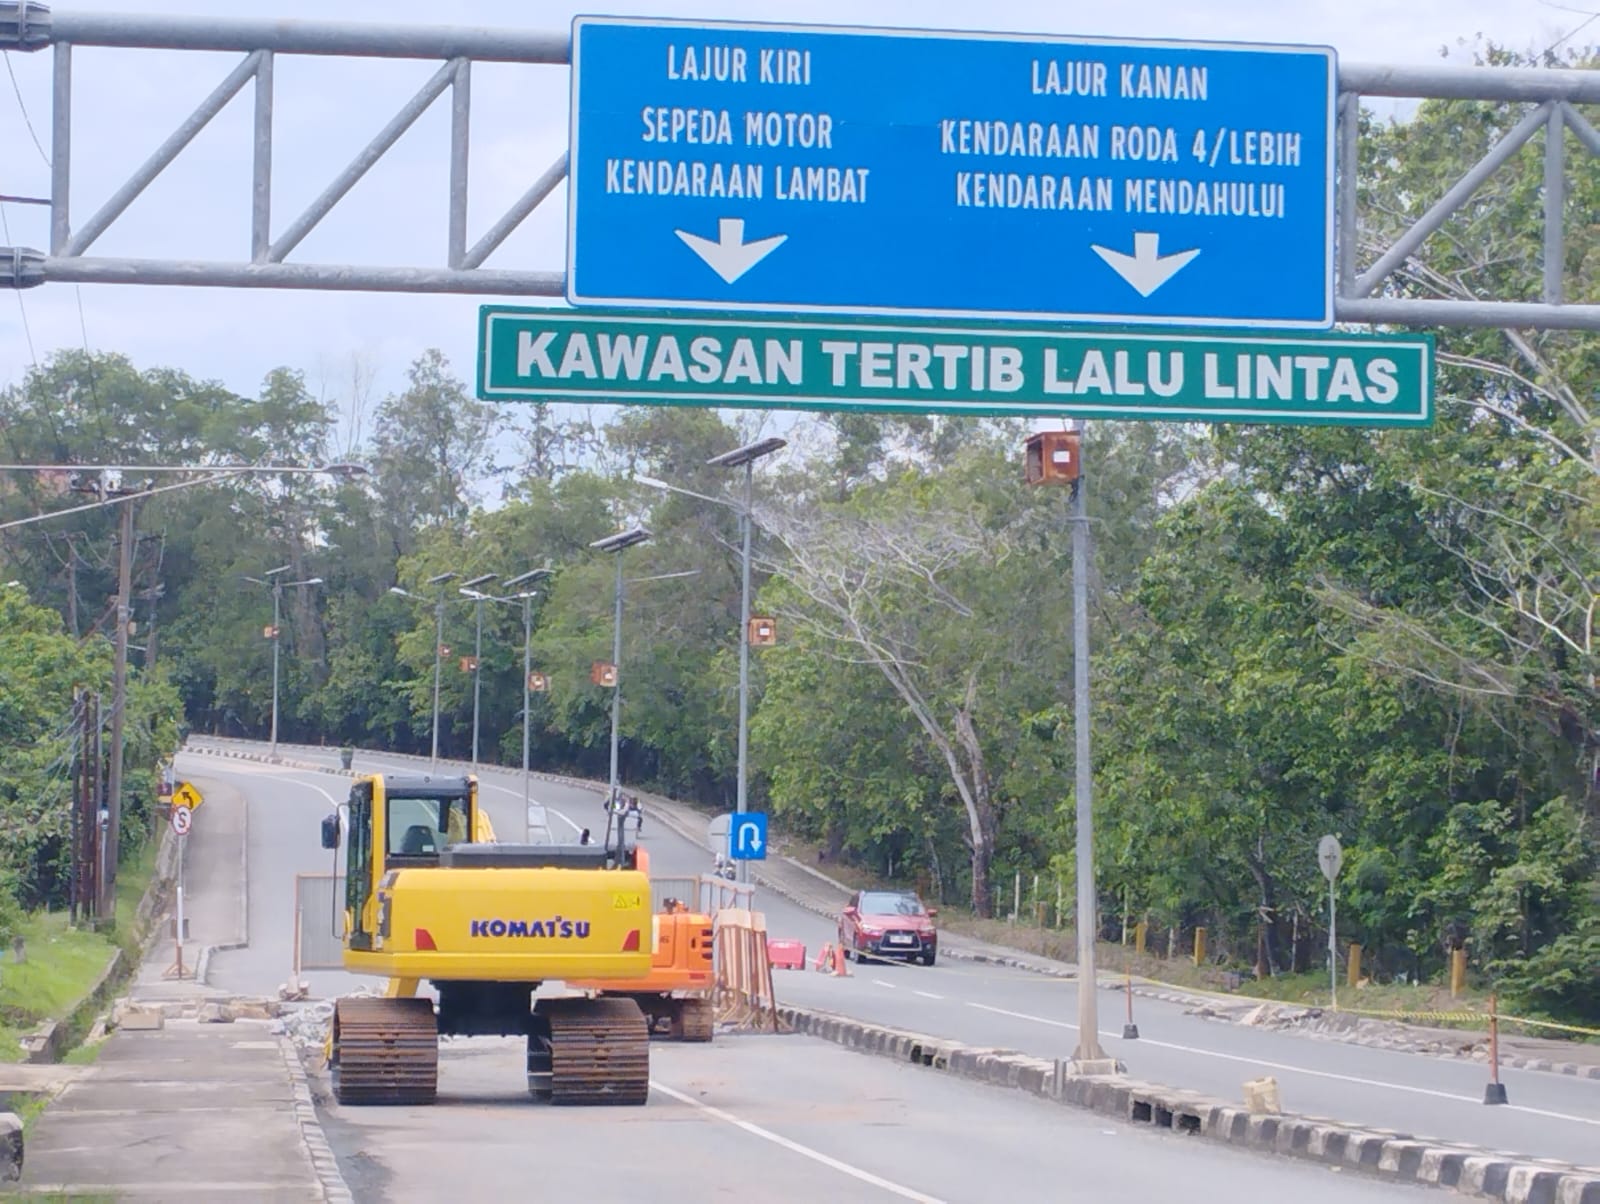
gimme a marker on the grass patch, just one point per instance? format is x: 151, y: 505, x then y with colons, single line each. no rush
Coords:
x: 64, y: 962
x: 83, y: 1055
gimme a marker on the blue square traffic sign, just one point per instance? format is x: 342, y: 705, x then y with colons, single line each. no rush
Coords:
x: 809, y: 168
x: 747, y: 837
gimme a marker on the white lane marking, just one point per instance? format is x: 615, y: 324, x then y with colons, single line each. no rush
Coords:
x: 881, y: 983
x: 855, y: 1172
x: 1321, y: 1074
x: 1024, y: 1016
x: 927, y: 994
x: 577, y: 828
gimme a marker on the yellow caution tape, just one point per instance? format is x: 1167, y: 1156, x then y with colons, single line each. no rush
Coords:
x: 1463, y: 1017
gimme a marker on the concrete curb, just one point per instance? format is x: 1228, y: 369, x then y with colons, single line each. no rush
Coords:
x: 334, y: 1188
x: 1029, y: 963
x: 1470, y: 1170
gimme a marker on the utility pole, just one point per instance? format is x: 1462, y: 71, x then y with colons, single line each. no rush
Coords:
x: 119, y: 706
x: 80, y: 736
x: 1088, y: 981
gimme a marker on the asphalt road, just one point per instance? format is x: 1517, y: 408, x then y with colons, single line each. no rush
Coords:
x: 1549, y: 1115
x: 761, y: 1118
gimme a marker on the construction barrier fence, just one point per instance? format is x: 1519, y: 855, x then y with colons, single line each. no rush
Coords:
x: 744, y: 995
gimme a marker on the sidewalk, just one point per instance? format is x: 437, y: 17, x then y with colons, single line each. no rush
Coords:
x: 192, y: 1096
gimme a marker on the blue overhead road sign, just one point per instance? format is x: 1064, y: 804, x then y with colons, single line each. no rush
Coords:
x: 747, y: 837
x: 733, y: 166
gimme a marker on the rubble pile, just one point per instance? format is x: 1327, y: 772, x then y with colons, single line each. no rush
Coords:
x: 307, y: 1026
x: 1345, y: 1026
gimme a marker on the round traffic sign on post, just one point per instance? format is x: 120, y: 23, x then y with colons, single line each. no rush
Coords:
x: 182, y: 817
x: 1330, y: 856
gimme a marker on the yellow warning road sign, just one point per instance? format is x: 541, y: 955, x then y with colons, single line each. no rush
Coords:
x: 187, y: 796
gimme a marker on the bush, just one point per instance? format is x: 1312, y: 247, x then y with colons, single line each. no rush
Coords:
x: 11, y: 912
x: 1562, y: 979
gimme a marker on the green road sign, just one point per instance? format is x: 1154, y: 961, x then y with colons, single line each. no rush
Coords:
x: 759, y: 362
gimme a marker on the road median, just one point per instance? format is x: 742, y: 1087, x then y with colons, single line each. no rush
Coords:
x: 1386, y: 1154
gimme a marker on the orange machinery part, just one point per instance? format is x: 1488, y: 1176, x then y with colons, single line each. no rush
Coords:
x: 681, y: 960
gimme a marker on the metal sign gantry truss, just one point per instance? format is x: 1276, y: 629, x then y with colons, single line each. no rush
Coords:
x: 1548, y: 94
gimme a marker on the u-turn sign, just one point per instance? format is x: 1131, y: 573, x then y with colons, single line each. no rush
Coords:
x: 747, y: 837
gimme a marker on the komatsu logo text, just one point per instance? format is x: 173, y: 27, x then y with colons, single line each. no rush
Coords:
x: 557, y: 927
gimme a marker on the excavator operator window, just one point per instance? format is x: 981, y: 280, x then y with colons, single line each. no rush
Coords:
x: 420, y: 828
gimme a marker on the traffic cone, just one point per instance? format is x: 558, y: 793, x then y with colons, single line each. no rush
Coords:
x: 841, y: 968
x: 824, y: 958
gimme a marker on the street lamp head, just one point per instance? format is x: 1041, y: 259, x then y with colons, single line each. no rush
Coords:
x: 441, y: 578
x: 344, y: 470
x: 524, y: 578
x: 741, y: 456
x: 621, y: 540
x: 403, y: 593
x: 308, y: 581
x: 282, y: 568
x: 476, y: 595
x: 480, y: 580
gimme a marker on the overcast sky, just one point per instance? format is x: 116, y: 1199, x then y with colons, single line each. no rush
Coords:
x: 127, y: 101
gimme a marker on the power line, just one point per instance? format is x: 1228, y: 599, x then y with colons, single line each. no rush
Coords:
x: 26, y: 120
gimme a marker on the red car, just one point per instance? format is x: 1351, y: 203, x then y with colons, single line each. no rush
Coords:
x: 888, y: 923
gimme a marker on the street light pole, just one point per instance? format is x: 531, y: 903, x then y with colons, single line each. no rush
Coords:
x: 275, y: 582
x: 438, y: 657
x: 469, y: 588
x: 527, y: 707
x: 527, y: 690
x: 617, y: 544
x: 746, y: 456
x: 616, y: 692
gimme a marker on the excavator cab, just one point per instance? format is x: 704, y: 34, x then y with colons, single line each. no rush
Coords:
x: 431, y: 896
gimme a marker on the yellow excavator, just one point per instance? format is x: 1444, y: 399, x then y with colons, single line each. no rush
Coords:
x: 431, y: 896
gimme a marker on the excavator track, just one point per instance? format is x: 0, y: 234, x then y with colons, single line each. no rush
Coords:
x: 599, y: 1052
x: 385, y: 1051
x: 696, y: 1019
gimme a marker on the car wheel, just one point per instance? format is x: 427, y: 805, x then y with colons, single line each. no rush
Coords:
x: 929, y: 956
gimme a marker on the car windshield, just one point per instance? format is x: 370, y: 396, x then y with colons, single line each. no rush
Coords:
x: 881, y: 903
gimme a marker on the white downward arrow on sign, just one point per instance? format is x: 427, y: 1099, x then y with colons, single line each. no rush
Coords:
x: 730, y: 256
x: 1145, y: 269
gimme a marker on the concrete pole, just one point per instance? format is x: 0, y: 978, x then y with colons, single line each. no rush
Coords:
x: 277, y: 596
x: 119, y: 705
x: 1088, y: 1010
x: 477, y: 681
x: 741, y: 804
x: 438, y: 643
x: 527, y: 696
x: 616, y: 690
